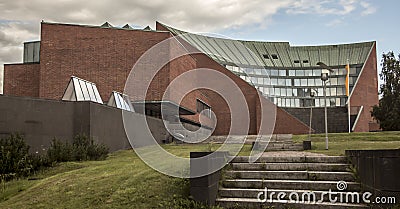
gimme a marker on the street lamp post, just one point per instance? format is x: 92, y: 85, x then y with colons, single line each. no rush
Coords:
x: 324, y: 78
x: 312, y: 94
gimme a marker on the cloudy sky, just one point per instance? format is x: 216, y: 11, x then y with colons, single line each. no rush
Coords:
x: 301, y: 22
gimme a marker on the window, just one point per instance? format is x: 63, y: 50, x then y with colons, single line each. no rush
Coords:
x: 288, y: 82
x: 303, y: 82
x: 266, y: 56
x: 296, y: 82
x: 334, y: 81
x: 311, y: 82
x: 308, y: 73
x: 274, y: 73
x: 283, y: 92
x: 281, y: 82
x: 282, y: 72
x: 305, y: 61
x: 274, y: 81
x: 203, y: 108
x: 297, y: 61
x: 292, y: 73
x: 317, y: 72
x: 299, y: 72
x: 274, y: 56
x: 318, y: 82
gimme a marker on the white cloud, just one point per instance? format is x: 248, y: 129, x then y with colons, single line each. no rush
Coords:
x: 19, y: 20
x: 368, y: 8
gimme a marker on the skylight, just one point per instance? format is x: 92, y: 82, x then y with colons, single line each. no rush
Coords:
x: 81, y: 90
x: 120, y: 101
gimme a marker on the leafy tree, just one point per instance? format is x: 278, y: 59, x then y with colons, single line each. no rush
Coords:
x: 388, y: 111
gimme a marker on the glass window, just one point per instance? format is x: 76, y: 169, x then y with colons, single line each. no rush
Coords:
x: 322, y: 102
x: 282, y: 72
x: 332, y: 102
x: 317, y: 72
x: 288, y: 82
x: 84, y: 90
x: 311, y: 82
x: 258, y: 71
x: 277, y: 92
x: 303, y: 82
x: 296, y: 82
x: 297, y: 102
x: 338, y: 102
x: 274, y: 81
x: 333, y: 91
x: 279, y: 101
x: 320, y: 92
x: 300, y: 92
x: 334, y: 81
x: 308, y: 73
x: 274, y: 73
x: 271, y: 92
x: 260, y: 81
x: 289, y: 92
x: 294, y: 92
x: 299, y: 72
x: 317, y: 104
x: 342, y: 81
x: 281, y: 82
x: 353, y: 71
x: 318, y: 82
x: 339, y: 92
x: 283, y: 92
x: 342, y: 101
x: 78, y: 90
x: 292, y: 73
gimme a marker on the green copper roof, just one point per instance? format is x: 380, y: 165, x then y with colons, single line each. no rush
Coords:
x: 275, y: 54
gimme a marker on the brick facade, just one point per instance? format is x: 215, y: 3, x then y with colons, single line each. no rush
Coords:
x: 21, y: 79
x: 365, y: 93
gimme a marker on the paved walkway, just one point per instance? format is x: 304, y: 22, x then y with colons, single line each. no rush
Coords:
x: 291, y: 154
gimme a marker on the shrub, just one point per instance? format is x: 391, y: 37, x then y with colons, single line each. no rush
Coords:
x: 15, y: 159
x: 82, y: 148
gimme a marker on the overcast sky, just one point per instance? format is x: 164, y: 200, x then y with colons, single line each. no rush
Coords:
x: 301, y: 22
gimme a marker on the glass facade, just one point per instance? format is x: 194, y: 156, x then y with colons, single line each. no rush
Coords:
x: 292, y: 87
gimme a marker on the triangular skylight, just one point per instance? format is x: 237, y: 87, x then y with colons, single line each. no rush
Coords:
x: 81, y: 90
x: 127, y: 26
x: 106, y: 25
x: 147, y: 28
x: 120, y: 101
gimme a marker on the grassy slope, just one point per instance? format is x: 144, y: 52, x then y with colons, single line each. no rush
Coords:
x: 124, y: 181
x: 340, y: 142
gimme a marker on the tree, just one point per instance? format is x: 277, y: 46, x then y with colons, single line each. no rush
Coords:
x: 387, y: 113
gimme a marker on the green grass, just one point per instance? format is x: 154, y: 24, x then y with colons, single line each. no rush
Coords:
x: 121, y: 181
x: 340, y: 142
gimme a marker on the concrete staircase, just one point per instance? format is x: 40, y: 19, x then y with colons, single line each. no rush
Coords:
x: 277, y: 142
x: 244, y: 182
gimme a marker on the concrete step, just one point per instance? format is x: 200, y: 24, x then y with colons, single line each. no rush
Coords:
x: 287, y: 184
x: 291, y: 175
x: 291, y: 167
x: 307, y: 195
x: 254, y: 203
x: 294, y: 159
x: 284, y: 147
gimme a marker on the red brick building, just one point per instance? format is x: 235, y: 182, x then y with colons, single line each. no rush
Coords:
x: 105, y: 55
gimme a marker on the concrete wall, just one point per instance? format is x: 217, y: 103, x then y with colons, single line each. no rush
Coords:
x: 378, y: 171
x: 40, y: 120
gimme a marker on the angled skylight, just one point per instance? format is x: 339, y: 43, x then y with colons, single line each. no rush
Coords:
x: 106, y: 25
x: 127, y: 26
x: 120, y: 101
x: 81, y: 90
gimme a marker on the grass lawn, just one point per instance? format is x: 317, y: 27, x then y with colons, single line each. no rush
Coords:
x: 340, y: 142
x: 124, y: 181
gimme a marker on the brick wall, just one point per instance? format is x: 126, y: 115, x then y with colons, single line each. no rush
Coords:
x: 365, y: 92
x: 101, y: 55
x: 21, y: 79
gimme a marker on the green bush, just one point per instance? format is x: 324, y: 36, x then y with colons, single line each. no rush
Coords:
x: 15, y: 158
x: 82, y: 148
